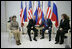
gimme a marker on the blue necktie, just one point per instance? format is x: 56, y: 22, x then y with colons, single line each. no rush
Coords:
x: 46, y: 23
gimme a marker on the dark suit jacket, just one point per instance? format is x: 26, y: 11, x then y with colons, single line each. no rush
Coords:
x: 64, y: 25
x: 31, y: 24
x: 49, y: 23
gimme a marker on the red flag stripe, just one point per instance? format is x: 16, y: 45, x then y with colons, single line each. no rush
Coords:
x: 53, y: 18
x: 39, y: 16
x: 30, y: 14
x: 49, y: 14
x: 47, y: 11
x: 22, y: 19
x: 21, y: 13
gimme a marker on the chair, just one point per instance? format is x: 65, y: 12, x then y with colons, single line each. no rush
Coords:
x: 67, y: 34
x: 9, y: 31
x: 25, y: 28
x: 66, y: 40
x: 53, y: 26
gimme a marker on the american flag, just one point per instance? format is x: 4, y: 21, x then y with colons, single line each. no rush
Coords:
x: 21, y: 14
x: 39, y: 13
x: 48, y: 14
x: 30, y: 14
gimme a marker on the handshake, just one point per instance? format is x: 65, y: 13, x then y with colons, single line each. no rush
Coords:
x: 37, y: 26
x: 32, y: 27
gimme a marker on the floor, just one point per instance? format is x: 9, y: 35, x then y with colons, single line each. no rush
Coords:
x: 25, y: 43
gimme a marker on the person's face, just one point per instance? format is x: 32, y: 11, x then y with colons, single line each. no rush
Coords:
x: 11, y: 18
x: 31, y: 18
x: 34, y: 17
x: 62, y: 17
x: 45, y: 17
x: 14, y: 19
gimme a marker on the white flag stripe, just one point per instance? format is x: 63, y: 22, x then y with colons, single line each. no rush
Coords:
x: 40, y: 21
x: 39, y: 12
x: 30, y: 14
x: 48, y: 12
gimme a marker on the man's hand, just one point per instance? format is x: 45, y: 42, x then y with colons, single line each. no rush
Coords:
x: 38, y: 26
x: 49, y: 27
x: 61, y: 29
x: 32, y: 27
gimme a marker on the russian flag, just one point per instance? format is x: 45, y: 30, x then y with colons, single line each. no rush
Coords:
x: 42, y: 12
x: 25, y: 12
x: 36, y: 12
x: 55, y: 15
x: 42, y: 16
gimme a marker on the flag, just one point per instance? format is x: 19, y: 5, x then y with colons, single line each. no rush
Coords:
x: 39, y: 14
x: 42, y: 12
x: 21, y: 14
x: 36, y: 11
x: 25, y: 12
x: 55, y: 15
x: 48, y: 10
x: 36, y: 14
x: 30, y: 11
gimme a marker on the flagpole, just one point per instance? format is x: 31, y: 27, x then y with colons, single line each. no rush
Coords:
x: 22, y: 28
x: 24, y: 21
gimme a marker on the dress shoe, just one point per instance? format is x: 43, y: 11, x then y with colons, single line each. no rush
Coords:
x: 61, y: 43
x: 42, y: 38
x: 19, y: 42
x: 49, y: 39
x: 35, y: 39
x: 56, y: 42
x: 30, y: 39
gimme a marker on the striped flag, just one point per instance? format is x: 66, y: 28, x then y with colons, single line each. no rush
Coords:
x: 30, y: 14
x: 39, y: 14
x: 55, y: 15
x: 25, y: 12
x: 48, y: 14
x: 21, y: 14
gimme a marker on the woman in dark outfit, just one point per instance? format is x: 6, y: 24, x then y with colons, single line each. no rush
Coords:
x: 63, y: 28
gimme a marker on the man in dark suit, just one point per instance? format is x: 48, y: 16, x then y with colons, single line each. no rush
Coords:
x: 47, y: 26
x: 31, y: 26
